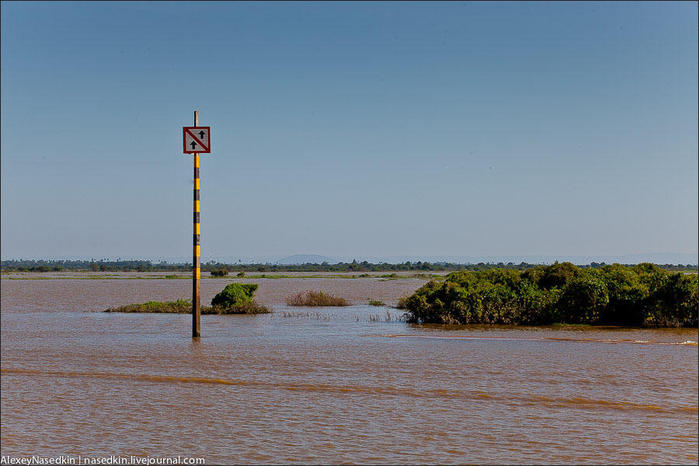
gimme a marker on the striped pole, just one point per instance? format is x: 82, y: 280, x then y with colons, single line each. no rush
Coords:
x: 196, y: 265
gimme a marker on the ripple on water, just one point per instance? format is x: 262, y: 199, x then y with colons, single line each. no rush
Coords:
x: 341, y: 387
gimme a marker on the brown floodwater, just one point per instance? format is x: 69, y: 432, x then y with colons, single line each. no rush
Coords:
x: 101, y: 290
x: 331, y: 385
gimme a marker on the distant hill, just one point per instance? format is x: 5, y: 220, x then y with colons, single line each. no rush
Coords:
x: 299, y: 259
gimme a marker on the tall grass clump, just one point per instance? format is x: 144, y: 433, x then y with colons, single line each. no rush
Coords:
x: 641, y: 295
x: 181, y: 306
x: 315, y: 298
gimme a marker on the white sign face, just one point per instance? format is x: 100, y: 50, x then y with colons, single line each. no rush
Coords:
x: 196, y: 139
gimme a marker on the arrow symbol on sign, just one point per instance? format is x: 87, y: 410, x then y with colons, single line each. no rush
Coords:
x: 193, y: 144
x: 201, y: 134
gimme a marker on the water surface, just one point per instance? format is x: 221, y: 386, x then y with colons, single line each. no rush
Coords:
x: 333, y: 385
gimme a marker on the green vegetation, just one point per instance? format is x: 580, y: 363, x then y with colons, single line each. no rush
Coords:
x: 250, y: 307
x: 376, y: 302
x: 181, y: 306
x: 32, y: 268
x: 219, y: 273
x: 234, y: 294
x: 22, y: 265
x: 641, y: 295
x: 234, y: 299
x: 403, y: 303
x: 184, y: 306
x: 315, y: 298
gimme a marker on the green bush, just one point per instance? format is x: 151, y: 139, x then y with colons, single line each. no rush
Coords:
x: 674, y: 301
x: 248, y: 307
x: 642, y: 295
x: 219, y: 273
x: 234, y: 294
x: 583, y: 299
x: 557, y: 275
x: 628, y: 295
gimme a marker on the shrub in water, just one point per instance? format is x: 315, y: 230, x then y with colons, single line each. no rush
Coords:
x: 644, y: 295
x: 250, y: 307
x: 234, y: 294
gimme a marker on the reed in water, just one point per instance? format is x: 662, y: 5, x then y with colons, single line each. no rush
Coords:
x: 315, y: 298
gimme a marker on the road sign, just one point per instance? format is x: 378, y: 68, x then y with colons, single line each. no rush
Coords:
x: 196, y: 139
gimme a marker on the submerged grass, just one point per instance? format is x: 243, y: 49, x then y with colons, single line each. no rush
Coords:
x: 308, y: 315
x: 315, y: 298
x: 184, y: 306
x: 387, y: 318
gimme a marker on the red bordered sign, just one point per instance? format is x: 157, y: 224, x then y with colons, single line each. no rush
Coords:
x: 196, y: 139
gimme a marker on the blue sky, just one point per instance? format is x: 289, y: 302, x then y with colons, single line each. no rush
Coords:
x: 350, y: 129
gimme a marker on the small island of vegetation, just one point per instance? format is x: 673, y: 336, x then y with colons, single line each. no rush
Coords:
x: 642, y: 295
x: 235, y: 298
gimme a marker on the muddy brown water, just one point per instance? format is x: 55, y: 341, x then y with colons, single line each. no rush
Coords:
x: 331, y: 385
x: 98, y: 294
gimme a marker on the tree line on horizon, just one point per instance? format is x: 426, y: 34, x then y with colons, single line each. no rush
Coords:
x: 104, y: 265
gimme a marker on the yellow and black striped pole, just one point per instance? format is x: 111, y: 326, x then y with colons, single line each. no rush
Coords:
x: 196, y: 265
